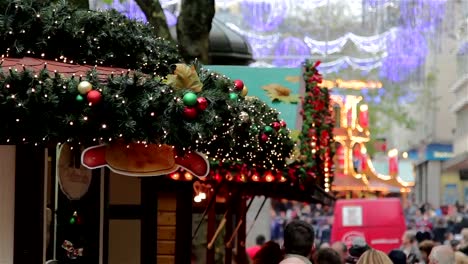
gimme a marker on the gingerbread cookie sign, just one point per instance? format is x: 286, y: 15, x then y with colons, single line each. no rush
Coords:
x: 74, y: 179
x: 142, y: 160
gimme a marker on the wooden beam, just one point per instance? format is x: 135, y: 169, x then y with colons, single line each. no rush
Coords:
x: 184, y: 222
x: 29, y: 205
x: 149, y: 209
x: 211, y: 228
x: 228, y: 232
x: 241, y: 235
x: 7, y: 202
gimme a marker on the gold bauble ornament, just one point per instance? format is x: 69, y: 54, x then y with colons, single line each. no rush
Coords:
x: 84, y: 87
x: 245, y: 90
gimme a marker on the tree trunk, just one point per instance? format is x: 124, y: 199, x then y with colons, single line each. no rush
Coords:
x: 193, y: 29
x: 82, y: 4
x: 155, y: 16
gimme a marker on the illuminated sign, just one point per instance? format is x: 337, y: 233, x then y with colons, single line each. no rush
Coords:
x: 351, y: 84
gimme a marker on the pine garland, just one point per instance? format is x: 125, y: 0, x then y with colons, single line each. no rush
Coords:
x: 43, y: 108
x: 316, y: 138
x: 60, y: 32
x: 313, y: 166
x: 137, y: 106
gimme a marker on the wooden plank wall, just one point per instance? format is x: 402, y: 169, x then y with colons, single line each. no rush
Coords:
x: 166, y: 227
x: 7, y: 203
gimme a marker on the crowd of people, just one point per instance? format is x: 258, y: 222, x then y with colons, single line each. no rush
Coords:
x: 298, y: 248
x: 319, y: 216
x: 433, y: 236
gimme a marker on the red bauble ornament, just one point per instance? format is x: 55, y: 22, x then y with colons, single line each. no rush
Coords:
x: 190, y: 112
x: 202, y: 103
x: 325, y: 135
x: 283, y: 123
x: 239, y: 84
x: 276, y: 125
x: 264, y: 137
x: 94, y: 97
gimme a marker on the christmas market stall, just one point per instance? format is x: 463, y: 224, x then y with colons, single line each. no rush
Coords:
x: 354, y: 169
x: 226, y: 195
x: 92, y: 105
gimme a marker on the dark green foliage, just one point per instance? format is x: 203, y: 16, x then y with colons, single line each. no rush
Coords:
x: 60, y: 32
x: 41, y: 107
x: 136, y: 107
x: 316, y: 138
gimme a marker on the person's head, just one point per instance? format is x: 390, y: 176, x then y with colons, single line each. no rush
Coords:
x: 397, y: 256
x: 358, y: 247
x: 325, y: 245
x: 341, y: 248
x: 442, y: 255
x: 454, y: 244
x: 464, y: 234
x: 421, y: 236
x: 298, y: 238
x: 426, y: 247
x: 373, y: 256
x: 409, y: 237
x: 328, y: 256
x: 270, y: 253
x: 260, y: 240
x: 448, y: 236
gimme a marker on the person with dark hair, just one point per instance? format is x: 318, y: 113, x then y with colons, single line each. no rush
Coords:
x: 425, y: 248
x: 270, y: 253
x: 298, y: 242
x: 259, y: 241
x: 397, y: 256
x: 328, y: 256
x: 358, y: 247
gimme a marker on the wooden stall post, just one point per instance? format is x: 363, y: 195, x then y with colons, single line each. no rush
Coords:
x: 227, y: 235
x: 184, y: 222
x: 29, y: 205
x: 241, y: 235
x: 211, y: 228
x: 7, y: 202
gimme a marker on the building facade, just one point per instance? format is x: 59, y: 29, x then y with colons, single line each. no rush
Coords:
x: 440, y: 132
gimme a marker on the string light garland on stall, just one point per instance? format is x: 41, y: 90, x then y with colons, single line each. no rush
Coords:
x: 314, y: 166
x: 42, y: 106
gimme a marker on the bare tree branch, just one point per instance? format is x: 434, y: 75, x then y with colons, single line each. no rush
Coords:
x: 83, y: 4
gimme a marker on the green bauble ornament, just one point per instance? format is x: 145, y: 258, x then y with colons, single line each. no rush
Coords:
x: 72, y: 220
x: 190, y: 99
x: 254, y: 129
x: 268, y: 129
x: 233, y: 96
x: 79, y: 98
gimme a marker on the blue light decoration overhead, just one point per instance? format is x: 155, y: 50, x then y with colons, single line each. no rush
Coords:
x: 291, y: 52
x: 408, y: 48
x: 264, y: 16
x: 397, y: 52
x: 132, y: 10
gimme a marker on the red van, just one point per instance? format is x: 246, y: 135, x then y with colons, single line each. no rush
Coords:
x: 380, y: 222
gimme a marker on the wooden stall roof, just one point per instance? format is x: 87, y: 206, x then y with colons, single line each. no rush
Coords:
x: 67, y: 69
x: 311, y: 194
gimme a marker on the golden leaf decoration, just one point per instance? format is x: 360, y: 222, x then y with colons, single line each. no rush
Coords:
x: 185, y: 77
x: 278, y: 92
x: 294, y: 134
